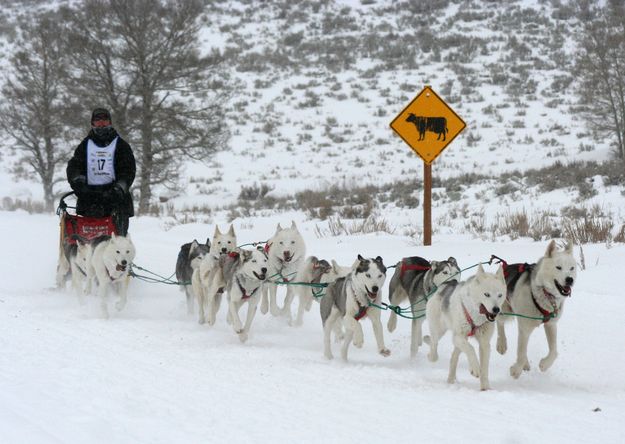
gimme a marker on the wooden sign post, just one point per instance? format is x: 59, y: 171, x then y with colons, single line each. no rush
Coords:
x: 427, y: 124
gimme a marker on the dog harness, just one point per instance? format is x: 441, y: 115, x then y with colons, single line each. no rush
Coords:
x: 415, y: 267
x: 362, y: 311
x: 469, y: 320
x: 244, y: 291
x: 117, y: 268
x: 547, y: 315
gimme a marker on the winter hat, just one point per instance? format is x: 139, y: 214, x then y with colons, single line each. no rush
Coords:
x: 100, y: 114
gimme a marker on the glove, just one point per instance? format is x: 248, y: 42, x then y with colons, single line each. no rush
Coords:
x: 79, y: 185
x: 117, y: 192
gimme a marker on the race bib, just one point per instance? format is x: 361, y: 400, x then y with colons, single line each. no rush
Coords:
x: 100, y: 163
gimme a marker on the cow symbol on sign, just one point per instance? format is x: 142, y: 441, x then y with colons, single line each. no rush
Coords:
x: 437, y: 125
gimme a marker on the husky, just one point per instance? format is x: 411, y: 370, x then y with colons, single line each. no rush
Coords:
x: 416, y: 279
x: 110, y: 261
x: 286, y: 251
x: 467, y: 308
x: 207, y: 280
x: 189, y: 258
x: 80, y: 262
x: 538, y: 291
x: 315, y: 271
x: 74, y: 262
x: 245, y: 277
x: 348, y: 299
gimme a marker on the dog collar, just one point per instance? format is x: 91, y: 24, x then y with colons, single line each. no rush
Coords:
x: 244, y: 291
x: 547, y: 315
x: 469, y: 320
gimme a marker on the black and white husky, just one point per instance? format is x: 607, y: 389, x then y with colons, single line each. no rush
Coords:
x: 415, y: 279
x: 110, y: 263
x: 348, y: 300
x: 244, y: 281
x: 189, y: 258
x: 538, y: 291
x: 467, y: 309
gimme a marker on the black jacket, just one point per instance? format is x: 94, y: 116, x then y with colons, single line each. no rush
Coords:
x: 97, y: 200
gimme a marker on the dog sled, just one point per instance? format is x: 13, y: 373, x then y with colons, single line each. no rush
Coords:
x: 74, y: 227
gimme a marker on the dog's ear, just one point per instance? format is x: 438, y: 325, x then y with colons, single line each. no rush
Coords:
x: 500, y: 274
x: 246, y: 254
x: 379, y: 260
x: 480, y: 272
x: 335, y: 266
x: 452, y: 261
x: 293, y: 226
x: 568, y: 249
x: 194, y: 245
x: 551, y: 248
x: 361, y: 259
x: 278, y: 228
x: 231, y: 230
x: 113, y: 237
x: 217, y: 232
x: 208, y: 242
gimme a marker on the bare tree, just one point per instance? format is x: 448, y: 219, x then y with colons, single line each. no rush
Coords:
x: 143, y: 59
x: 32, y: 112
x: 600, y: 67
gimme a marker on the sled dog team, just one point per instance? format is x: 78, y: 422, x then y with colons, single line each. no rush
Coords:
x: 469, y: 308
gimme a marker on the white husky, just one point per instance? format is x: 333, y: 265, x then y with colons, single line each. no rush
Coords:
x: 110, y: 261
x: 467, y: 309
x: 538, y: 291
x: 286, y: 251
x: 245, y: 286
x: 347, y: 299
x: 208, y: 281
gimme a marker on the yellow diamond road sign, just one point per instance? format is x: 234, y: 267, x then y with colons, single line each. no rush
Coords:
x: 428, y: 125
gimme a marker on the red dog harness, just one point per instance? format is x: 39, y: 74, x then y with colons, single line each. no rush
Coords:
x: 469, y: 320
x: 416, y: 267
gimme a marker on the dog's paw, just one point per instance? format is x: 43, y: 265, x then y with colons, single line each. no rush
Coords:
x: 358, y: 341
x: 275, y: 311
x: 451, y: 380
x: 475, y: 372
x: 526, y: 366
x: 502, y: 346
x: 546, y: 363
x: 295, y: 323
x: 328, y: 355
x: 485, y: 387
x: 385, y: 352
x: 516, y: 370
x: 119, y: 305
x: 243, y: 336
x: 201, y: 321
x: 264, y: 306
x: 432, y: 356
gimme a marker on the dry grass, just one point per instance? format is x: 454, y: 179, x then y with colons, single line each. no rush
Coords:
x: 337, y: 227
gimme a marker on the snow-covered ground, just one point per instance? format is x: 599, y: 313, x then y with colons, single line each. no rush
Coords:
x: 152, y: 374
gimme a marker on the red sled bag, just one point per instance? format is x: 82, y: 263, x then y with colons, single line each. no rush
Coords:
x: 87, y: 228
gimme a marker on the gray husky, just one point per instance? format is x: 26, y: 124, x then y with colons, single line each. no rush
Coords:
x: 189, y: 258
x: 415, y: 279
x: 538, y: 291
x: 348, y: 300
